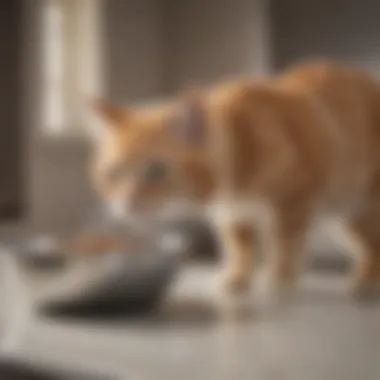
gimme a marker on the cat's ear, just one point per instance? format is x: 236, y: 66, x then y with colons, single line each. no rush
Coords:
x: 189, y: 122
x: 105, y: 118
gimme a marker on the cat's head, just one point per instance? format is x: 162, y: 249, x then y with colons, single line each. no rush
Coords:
x: 152, y: 160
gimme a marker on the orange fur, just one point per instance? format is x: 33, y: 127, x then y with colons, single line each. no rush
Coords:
x: 267, y: 155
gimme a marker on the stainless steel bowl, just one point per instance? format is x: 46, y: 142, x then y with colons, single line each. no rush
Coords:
x: 35, y: 279
x: 110, y: 282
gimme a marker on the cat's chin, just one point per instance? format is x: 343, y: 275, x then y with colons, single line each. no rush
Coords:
x: 178, y: 211
x: 172, y: 212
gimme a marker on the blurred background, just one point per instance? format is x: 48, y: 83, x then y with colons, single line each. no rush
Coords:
x: 126, y: 50
x: 55, y: 53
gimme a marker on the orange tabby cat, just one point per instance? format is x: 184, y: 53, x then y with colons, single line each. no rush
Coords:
x: 262, y: 156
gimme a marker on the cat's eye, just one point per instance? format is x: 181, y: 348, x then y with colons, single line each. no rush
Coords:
x: 155, y: 171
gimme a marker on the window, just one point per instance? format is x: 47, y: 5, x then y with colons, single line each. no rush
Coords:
x: 71, y: 62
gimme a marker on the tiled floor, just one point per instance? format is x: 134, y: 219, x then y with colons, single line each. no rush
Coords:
x: 321, y: 335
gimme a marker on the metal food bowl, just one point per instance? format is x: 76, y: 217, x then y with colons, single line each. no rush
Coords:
x: 128, y: 283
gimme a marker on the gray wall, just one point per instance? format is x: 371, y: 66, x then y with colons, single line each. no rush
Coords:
x: 61, y: 197
x: 341, y: 29
x: 155, y: 47
x: 12, y: 200
x: 56, y: 185
x: 134, y: 48
x: 208, y: 40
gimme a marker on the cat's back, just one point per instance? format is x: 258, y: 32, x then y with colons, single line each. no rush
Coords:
x: 350, y: 95
x: 349, y: 103
x: 331, y: 111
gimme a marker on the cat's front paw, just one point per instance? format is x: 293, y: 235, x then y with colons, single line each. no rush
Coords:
x: 275, y: 292
x: 235, y: 283
x: 233, y: 296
